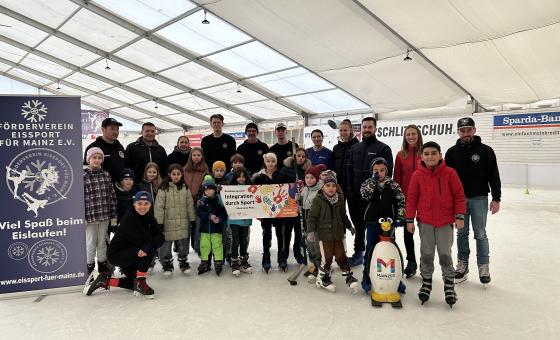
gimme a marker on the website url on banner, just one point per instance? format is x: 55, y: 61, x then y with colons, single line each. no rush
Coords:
x: 530, y: 133
x: 42, y: 278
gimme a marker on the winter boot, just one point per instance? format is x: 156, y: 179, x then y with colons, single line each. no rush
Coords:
x: 218, y: 267
x: 425, y: 290
x: 461, y: 271
x: 245, y: 266
x: 101, y: 281
x: 356, y: 259
x: 184, y: 265
x: 324, y: 280
x: 168, y: 268
x: 449, y: 289
x: 203, y: 267
x: 235, y: 266
x: 410, y: 269
x: 283, y: 265
x: 266, y: 262
x: 90, y: 268
x: 351, y: 282
x: 484, y: 274
x: 142, y: 288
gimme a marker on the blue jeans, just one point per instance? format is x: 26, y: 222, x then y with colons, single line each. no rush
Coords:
x: 477, y: 211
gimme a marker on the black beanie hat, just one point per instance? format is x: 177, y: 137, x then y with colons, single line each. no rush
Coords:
x: 253, y: 126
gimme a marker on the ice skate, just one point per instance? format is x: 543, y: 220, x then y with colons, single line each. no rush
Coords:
x: 449, y: 289
x: 356, y: 259
x: 142, y: 288
x: 266, y: 262
x: 484, y: 274
x: 203, y: 267
x: 245, y: 266
x: 425, y: 290
x: 235, y: 267
x: 351, y: 282
x: 324, y: 281
x: 218, y: 267
x: 461, y: 271
x: 410, y: 269
x: 184, y: 266
x: 167, y: 268
x: 101, y: 281
x: 90, y: 268
x: 93, y: 274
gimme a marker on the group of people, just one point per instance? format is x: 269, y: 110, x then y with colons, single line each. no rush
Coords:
x: 154, y: 202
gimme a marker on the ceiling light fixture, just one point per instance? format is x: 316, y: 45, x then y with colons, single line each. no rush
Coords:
x: 58, y: 86
x: 107, y: 63
x: 408, y: 58
x: 155, y: 101
x: 205, y: 21
x: 238, y: 88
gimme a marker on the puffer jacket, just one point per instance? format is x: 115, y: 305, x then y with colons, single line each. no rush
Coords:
x: 211, y: 206
x: 262, y: 178
x: 288, y: 173
x: 308, y: 194
x: 435, y: 196
x: 385, y: 199
x: 405, y: 167
x: 328, y: 220
x: 138, y: 154
x: 340, y: 160
x: 174, y: 209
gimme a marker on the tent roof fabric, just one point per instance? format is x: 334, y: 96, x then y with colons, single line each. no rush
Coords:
x: 267, y: 60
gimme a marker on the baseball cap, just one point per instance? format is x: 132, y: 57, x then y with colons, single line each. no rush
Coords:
x: 110, y: 121
x: 465, y: 122
x: 142, y: 196
x: 280, y: 125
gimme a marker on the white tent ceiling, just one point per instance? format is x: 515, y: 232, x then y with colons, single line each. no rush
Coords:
x: 267, y: 59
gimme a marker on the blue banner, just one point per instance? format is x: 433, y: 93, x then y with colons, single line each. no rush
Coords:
x: 42, y: 224
x: 527, y: 120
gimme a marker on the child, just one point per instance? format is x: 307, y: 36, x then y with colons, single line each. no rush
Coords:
x: 385, y: 200
x: 269, y: 175
x: 151, y: 181
x: 219, y: 174
x: 174, y: 211
x: 125, y: 191
x: 213, y: 217
x: 101, y: 208
x: 194, y: 173
x: 237, y: 161
x: 132, y: 249
x: 436, y: 199
x: 327, y: 217
x: 240, y: 230
x: 308, y: 194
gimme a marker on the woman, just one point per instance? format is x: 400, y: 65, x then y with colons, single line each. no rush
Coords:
x: 406, y: 162
x: 194, y: 173
x: 180, y: 154
x: 294, y: 169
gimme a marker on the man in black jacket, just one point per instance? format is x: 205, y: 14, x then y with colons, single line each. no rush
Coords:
x: 340, y: 153
x: 477, y: 168
x: 358, y: 170
x: 252, y: 149
x: 113, y: 150
x: 146, y: 149
x: 218, y: 146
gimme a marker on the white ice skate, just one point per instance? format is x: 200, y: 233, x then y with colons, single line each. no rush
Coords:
x: 94, y: 274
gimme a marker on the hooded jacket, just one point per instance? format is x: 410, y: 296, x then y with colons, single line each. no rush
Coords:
x: 207, y: 207
x: 308, y: 194
x: 138, y: 154
x: 174, y: 209
x: 124, y: 200
x: 435, y: 196
x: 328, y: 220
x: 113, y: 156
x: 253, y: 154
x: 136, y: 231
x: 477, y: 168
x: 360, y: 157
x: 288, y: 173
x: 340, y: 160
x: 385, y: 199
x: 178, y: 157
x: 262, y: 178
x: 405, y: 167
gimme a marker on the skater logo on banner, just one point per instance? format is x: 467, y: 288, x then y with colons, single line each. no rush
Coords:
x: 260, y: 201
x: 42, y: 224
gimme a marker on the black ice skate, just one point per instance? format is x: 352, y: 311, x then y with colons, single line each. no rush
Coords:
x: 184, y: 265
x: 425, y: 290
x: 461, y: 271
x: 266, y: 262
x: 351, y: 282
x: 283, y: 265
x: 101, y: 281
x: 218, y: 267
x: 449, y: 289
x: 324, y: 281
x: 410, y: 269
x: 203, y: 267
x: 236, y: 267
x: 245, y: 266
x: 168, y: 268
x: 142, y: 288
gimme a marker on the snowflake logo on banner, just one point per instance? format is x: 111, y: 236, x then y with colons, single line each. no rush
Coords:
x: 39, y: 177
x: 18, y: 251
x: 34, y: 111
x: 47, y: 256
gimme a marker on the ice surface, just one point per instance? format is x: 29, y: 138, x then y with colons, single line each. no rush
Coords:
x: 521, y: 302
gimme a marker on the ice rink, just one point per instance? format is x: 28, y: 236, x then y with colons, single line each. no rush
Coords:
x: 521, y: 302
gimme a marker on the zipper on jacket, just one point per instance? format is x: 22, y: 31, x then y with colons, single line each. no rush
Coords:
x: 439, y: 185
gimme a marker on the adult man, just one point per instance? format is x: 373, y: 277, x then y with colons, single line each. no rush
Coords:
x: 340, y: 153
x: 359, y: 164
x: 113, y: 150
x: 477, y: 168
x: 283, y: 148
x: 252, y: 149
x: 218, y: 146
x: 146, y: 149
x: 318, y: 154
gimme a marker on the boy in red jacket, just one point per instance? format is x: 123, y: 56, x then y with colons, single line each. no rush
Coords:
x: 436, y: 198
